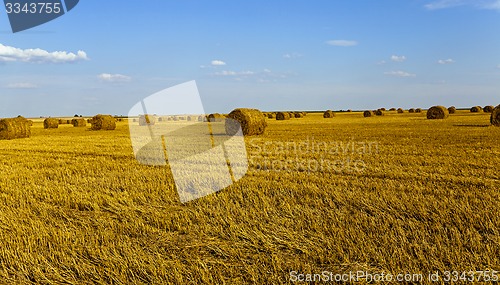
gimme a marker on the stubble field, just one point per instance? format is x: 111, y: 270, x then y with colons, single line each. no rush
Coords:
x: 394, y: 194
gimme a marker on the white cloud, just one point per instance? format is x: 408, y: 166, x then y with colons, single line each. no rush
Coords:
x: 217, y: 63
x: 114, y: 77
x: 381, y: 62
x: 13, y: 54
x: 22, y: 85
x: 498, y: 66
x: 266, y: 75
x: 442, y: 4
x: 234, y: 73
x: 398, y: 58
x: 400, y: 73
x: 494, y: 5
x: 446, y: 61
x: 342, y: 43
x: 478, y: 4
x: 292, y: 55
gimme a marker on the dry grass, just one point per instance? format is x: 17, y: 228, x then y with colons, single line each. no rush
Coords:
x: 77, y: 208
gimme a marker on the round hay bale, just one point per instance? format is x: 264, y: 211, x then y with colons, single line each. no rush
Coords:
x: 495, y: 116
x: 437, y: 112
x: 411, y: 110
x: 30, y: 123
x: 103, y: 122
x: 392, y: 109
x: 14, y: 128
x: 298, y: 115
x: 281, y: 116
x: 400, y: 111
x: 368, y: 113
x: 216, y: 117
x: 145, y: 120
x: 303, y: 114
x: 418, y: 110
x: 160, y: 119
x: 79, y: 123
x: 200, y: 118
x: 383, y: 109
x: 452, y: 110
x: 50, y: 123
x: 349, y: 111
x: 251, y: 120
x: 488, y: 109
x: 476, y: 109
x: 61, y: 121
x: 68, y: 122
x: 291, y: 115
x: 328, y: 114
x: 271, y: 115
x: 379, y: 112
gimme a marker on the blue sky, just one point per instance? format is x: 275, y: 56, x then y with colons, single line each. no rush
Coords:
x: 104, y: 56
